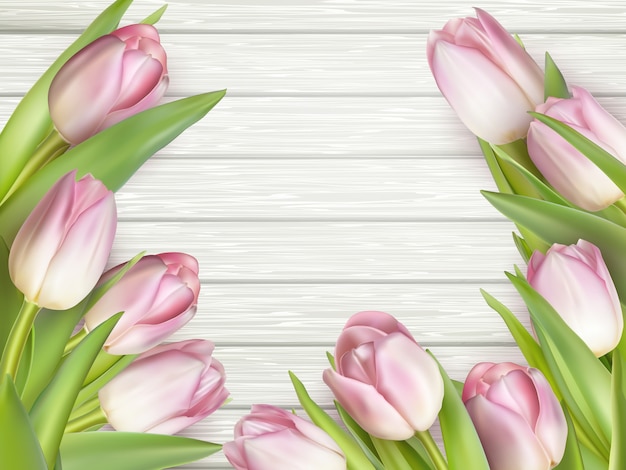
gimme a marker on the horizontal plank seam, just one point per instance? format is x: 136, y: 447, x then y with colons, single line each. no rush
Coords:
x: 295, y: 219
x: 347, y: 282
x: 304, y: 344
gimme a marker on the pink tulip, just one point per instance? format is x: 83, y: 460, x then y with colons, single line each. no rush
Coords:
x: 165, y: 389
x: 517, y: 417
x: 158, y: 296
x: 486, y: 76
x: 577, y: 283
x: 270, y: 438
x: 384, y: 379
x: 114, y: 77
x: 570, y: 172
x: 63, y: 246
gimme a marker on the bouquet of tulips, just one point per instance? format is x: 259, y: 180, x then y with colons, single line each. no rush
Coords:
x: 558, y: 159
x: 81, y: 347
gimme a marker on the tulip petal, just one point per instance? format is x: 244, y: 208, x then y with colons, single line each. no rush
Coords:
x: 92, y: 76
x: 352, y: 337
x: 571, y: 174
x: 513, y: 57
x: 141, y: 74
x: 516, y: 391
x: 472, y: 383
x: 379, y: 320
x: 93, y: 232
x: 287, y: 449
x: 409, y: 379
x: 368, y: 407
x: 138, y: 30
x: 154, y: 390
x: 580, y: 297
x: 481, y: 93
x: 508, y: 441
x: 551, y: 423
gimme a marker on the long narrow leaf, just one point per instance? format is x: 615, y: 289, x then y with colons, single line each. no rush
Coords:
x: 360, y: 436
x: 554, y: 83
x: 130, y: 451
x: 559, y: 224
x: 30, y: 122
x: 583, y: 380
x: 572, y: 459
x: 20, y: 447
x: 463, y: 447
x: 111, y: 156
x: 51, y: 411
x: 356, y: 459
x: 11, y: 297
x: 617, y: 460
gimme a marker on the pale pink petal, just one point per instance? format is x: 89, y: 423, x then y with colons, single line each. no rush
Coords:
x: 93, y: 76
x: 140, y: 30
x: 508, y: 441
x: 516, y: 391
x: 368, y: 407
x: 380, y: 320
x: 141, y: 74
x: 481, y: 93
x: 409, y: 380
x: 474, y: 378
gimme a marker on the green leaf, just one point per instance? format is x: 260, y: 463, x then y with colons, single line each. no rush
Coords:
x: 617, y: 459
x: 582, y: 379
x: 26, y: 363
x: 91, y: 389
x: 528, y: 346
x: 52, y: 409
x: 463, y: 447
x: 11, y: 297
x: 355, y: 457
x: 130, y: 451
x: 52, y: 330
x: 391, y: 455
x: 155, y: 17
x: 610, y: 165
x: 522, y: 247
x: 572, y: 460
x: 30, y: 122
x: 360, y: 436
x: 20, y: 447
x: 554, y: 83
x: 111, y: 156
x: 558, y: 224
x: 493, y: 164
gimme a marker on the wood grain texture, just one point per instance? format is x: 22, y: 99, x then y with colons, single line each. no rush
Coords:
x: 331, y: 179
x: 325, y: 15
x: 318, y: 64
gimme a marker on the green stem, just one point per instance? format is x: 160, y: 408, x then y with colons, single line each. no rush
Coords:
x: 48, y: 150
x: 17, y: 339
x: 86, y: 407
x: 621, y: 204
x: 93, y: 418
x: 74, y: 340
x: 433, y: 450
x: 390, y: 455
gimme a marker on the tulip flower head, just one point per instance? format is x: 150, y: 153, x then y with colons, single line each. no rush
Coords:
x: 578, y: 285
x: 518, y: 418
x: 270, y: 438
x: 63, y: 246
x: 486, y: 76
x: 158, y: 295
x: 114, y: 77
x: 569, y: 171
x: 166, y: 389
x: 384, y: 379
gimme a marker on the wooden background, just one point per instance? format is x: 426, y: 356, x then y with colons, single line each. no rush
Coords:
x: 332, y: 178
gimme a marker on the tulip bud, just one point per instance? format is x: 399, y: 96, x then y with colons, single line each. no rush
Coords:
x: 486, y: 76
x: 517, y: 417
x: 575, y: 280
x: 384, y: 379
x: 165, y: 389
x: 569, y: 171
x: 63, y: 246
x: 114, y: 77
x: 158, y: 295
x: 270, y: 438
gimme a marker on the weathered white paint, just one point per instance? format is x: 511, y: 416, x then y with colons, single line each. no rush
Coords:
x: 332, y: 178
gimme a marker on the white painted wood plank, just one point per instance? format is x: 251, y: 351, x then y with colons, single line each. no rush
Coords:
x: 329, y: 251
x: 272, y: 314
x: 324, y: 15
x: 317, y: 63
x: 380, y: 188
x: 329, y: 127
